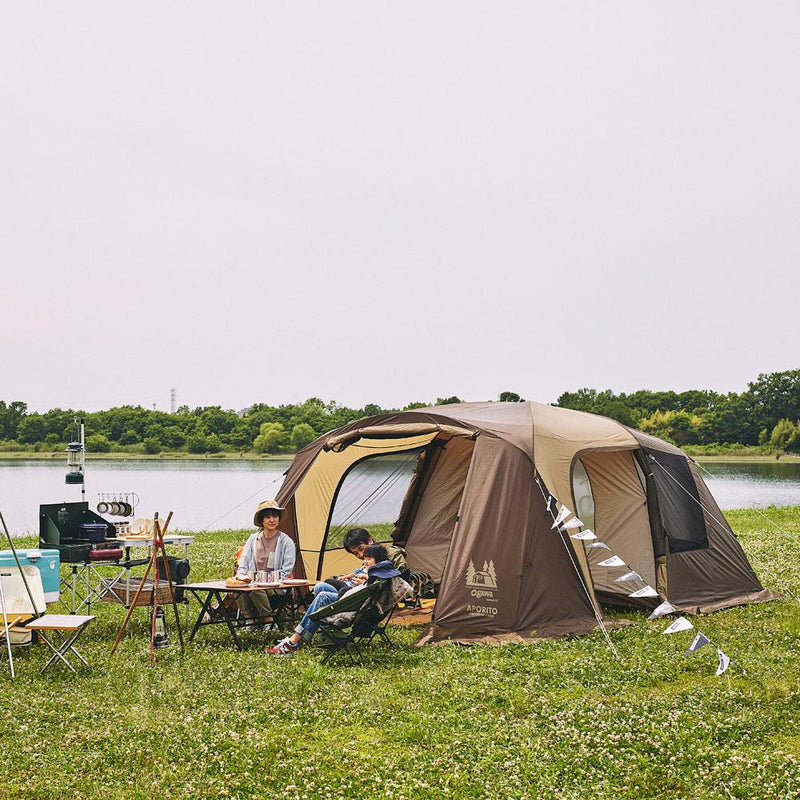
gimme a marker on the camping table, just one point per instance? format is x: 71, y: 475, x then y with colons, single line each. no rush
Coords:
x: 97, y: 586
x: 208, y: 592
x: 70, y: 626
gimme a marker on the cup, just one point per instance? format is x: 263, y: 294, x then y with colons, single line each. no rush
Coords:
x: 262, y: 576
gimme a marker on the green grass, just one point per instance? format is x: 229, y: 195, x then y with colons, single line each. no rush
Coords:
x: 561, y: 719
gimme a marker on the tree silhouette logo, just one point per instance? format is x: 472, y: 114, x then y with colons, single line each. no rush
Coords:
x: 485, y: 578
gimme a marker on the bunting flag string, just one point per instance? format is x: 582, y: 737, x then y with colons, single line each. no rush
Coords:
x: 680, y: 624
x: 613, y: 561
x: 645, y: 591
x: 662, y: 610
x: 562, y: 515
x: 592, y: 541
x: 699, y: 641
x: 724, y: 661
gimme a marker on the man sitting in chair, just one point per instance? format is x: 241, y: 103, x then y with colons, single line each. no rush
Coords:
x: 355, y: 541
x: 379, y: 567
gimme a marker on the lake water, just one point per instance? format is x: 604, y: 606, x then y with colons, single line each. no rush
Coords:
x: 217, y: 494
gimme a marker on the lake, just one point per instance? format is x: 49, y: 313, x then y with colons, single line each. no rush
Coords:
x: 217, y: 494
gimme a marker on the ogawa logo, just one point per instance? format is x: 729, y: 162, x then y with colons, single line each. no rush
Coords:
x: 482, y: 585
x: 485, y: 578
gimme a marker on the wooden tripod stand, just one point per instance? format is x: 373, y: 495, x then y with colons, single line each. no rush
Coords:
x: 154, y: 565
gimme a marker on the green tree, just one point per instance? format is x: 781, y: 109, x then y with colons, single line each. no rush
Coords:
x: 173, y: 437
x: 130, y: 436
x: 446, y: 401
x: 196, y: 443
x: 213, y: 443
x: 152, y: 445
x: 773, y: 397
x: 31, y: 429
x: 302, y: 435
x: 510, y: 397
x: 97, y: 443
x: 784, y: 432
x: 678, y: 427
x: 10, y: 417
x: 271, y: 438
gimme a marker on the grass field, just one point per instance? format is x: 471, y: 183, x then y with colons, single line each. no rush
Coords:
x: 561, y: 719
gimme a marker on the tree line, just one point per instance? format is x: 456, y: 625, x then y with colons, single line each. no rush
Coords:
x: 261, y: 428
x: 766, y: 416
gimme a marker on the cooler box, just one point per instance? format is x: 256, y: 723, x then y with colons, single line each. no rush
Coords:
x: 93, y: 531
x: 46, y: 561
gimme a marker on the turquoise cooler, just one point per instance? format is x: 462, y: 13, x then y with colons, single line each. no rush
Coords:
x: 46, y: 561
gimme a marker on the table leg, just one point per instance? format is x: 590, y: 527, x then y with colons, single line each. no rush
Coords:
x: 226, y: 616
x: 61, y: 650
x: 205, y: 608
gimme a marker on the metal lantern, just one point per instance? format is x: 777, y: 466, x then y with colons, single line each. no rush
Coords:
x: 159, y: 628
x: 74, y: 463
x: 76, y: 459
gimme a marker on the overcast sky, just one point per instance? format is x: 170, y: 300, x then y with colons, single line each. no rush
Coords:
x: 385, y: 203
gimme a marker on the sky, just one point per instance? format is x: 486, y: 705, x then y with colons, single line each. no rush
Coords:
x: 394, y: 202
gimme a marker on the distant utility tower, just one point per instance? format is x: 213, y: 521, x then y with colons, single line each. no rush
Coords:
x: 171, y: 401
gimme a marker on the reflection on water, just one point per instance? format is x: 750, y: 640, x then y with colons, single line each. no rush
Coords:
x: 215, y: 494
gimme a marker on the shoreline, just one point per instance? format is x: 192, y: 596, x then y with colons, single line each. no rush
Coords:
x: 18, y: 455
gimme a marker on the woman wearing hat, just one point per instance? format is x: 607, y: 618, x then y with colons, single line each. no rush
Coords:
x: 267, y: 549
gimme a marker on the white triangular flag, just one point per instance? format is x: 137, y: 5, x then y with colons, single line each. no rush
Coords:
x: 562, y: 515
x: 601, y: 545
x: 614, y: 561
x: 680, y: 624
x: 573, y: 523
x: 699, y: 641
x: 628, y: 576
x: 645, y: 591
x: 662, y: 610
x: 585, y: 536
x: 723, y: 662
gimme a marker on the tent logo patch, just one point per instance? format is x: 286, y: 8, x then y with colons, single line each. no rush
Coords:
x: 485, y: 578
x: 482, y: 584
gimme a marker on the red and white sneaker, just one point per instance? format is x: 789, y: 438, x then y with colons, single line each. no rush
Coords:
x: 283, y: 648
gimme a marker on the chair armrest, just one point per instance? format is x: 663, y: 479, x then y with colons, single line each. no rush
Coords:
x: 352, y: 602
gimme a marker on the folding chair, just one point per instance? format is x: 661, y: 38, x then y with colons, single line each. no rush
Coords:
x: 352, y: 622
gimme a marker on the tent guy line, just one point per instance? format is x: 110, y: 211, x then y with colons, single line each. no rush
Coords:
x: 550, y: 506
x: 242, y: 502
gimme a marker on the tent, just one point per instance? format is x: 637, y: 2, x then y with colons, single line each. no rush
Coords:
x: 478, y: 516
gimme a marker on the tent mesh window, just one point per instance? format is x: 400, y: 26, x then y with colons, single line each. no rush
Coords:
x: 582, y: 490
x: 371, y: 494
x: 678, y: 501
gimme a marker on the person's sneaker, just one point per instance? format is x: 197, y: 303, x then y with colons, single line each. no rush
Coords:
x: 283, y: 648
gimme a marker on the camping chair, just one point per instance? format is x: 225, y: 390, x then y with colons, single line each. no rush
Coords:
x: 352, y: 622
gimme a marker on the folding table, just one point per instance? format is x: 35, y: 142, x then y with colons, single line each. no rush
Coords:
x: 213, y: 611
x: 69, y: 627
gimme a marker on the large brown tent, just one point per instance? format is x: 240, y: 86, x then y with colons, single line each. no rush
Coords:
x: 478, y: 517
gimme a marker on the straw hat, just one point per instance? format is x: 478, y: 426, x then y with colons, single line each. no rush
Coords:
x: 265, y: 505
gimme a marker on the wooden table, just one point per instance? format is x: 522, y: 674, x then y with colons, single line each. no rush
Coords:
x: 213, y: 611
